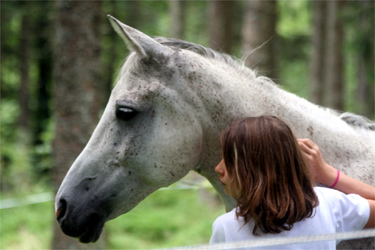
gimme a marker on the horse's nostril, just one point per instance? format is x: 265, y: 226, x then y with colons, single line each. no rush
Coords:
x: 61, y: 209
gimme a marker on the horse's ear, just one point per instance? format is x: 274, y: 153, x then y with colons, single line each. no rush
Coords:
x: 137, y: 41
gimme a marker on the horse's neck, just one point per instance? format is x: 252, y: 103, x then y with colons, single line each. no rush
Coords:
x: 305, y: 118
x: 340, y: 144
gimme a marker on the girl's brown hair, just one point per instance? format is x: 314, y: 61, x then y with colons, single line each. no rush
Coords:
x: 270, y: 179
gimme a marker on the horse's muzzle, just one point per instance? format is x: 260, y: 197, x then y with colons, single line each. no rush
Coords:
x: 79, y: 221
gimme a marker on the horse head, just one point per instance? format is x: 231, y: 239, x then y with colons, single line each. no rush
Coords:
x: 149, y: 137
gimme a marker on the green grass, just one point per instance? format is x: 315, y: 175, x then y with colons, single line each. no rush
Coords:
x: 26, y: 227
x: 167, y: 218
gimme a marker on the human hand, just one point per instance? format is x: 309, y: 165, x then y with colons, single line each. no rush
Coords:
x: 327, y: 175
x: 322, y: 172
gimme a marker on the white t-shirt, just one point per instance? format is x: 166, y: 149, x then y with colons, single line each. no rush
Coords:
x: 337, y: 212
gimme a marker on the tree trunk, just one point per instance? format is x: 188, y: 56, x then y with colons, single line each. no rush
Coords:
x: 334, y: 57
x: 78, y: 91
x: 177, y: 13
x: 259, y: 36
x: 42, y: 113
x: 220, y: 25
x: 24, y: 95
x: 365, y: 67
x: 318, y: 56
x: 365, y: 90
x: 110, y: 48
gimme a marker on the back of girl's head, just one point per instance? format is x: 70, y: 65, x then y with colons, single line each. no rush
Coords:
x: 270, y: 180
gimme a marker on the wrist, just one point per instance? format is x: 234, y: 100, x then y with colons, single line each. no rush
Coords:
x: 329, y: 176
x: 336, y: 180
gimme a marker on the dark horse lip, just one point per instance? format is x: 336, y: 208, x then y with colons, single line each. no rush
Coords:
x: 94, y: 228
x: 86, y: 231
x: 92, y: 234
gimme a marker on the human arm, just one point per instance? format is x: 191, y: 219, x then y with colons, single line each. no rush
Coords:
x: 327, y: 175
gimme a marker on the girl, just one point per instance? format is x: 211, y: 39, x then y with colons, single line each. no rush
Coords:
x: 265, y: 170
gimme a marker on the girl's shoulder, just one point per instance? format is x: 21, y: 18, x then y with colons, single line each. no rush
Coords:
x: 351, y: 210
x: 227, y: 217
x: 229, y: 228
x: 337, y: 200
x: 333, y: 196
x: 229, y: 221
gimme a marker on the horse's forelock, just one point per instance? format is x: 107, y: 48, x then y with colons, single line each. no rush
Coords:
x: 133, y: 63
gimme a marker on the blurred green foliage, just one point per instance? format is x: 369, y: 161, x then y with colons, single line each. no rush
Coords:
x: 294, y: 18
x: 165, y: 219
x: 26, y: 227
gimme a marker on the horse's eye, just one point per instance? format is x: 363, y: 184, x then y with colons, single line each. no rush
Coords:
x: 125, y: 114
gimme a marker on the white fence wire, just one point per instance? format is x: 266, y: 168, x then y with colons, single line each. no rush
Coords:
x: 27, y: 200
x: 368, y: 233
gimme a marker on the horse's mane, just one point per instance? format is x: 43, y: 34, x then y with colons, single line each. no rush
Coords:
x: 229, y: 60
x: 198, y: 49
x: 358, y: 121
